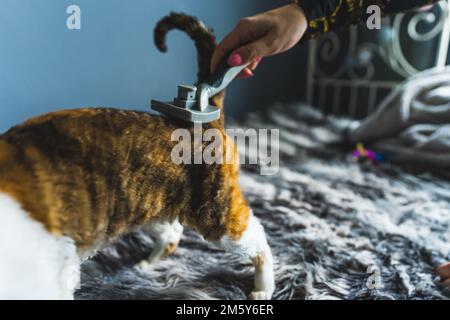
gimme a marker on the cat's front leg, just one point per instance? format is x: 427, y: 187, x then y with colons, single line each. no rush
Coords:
x: 167, y: 235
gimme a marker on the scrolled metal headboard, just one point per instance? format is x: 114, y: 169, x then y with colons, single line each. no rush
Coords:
x: 350, y: 72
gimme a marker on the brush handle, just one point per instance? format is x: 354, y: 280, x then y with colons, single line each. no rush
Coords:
x: 223, y: 77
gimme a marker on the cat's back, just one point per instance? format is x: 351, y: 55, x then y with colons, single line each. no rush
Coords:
x: 101, y: 133
x: 88, y: 124
x: 71, y: 169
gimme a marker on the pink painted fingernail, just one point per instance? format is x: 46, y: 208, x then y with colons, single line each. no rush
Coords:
x: 235, y: 60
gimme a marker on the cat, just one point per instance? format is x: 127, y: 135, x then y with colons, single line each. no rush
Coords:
x: 73, y: 181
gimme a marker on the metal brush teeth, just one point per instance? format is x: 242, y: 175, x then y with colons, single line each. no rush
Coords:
x: 192, y: 103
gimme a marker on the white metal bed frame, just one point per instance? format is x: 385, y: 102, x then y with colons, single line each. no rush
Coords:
x: 361, y: 75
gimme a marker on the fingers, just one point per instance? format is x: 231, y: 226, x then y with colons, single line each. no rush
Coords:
x: 444, y: 271
x: 253, y: 51
x: 220, y: 52
x: 255, y: 63
x: 248, y: 72
x: 239, y: 36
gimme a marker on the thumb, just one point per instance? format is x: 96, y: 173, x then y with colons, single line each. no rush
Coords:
x: 252, y: 51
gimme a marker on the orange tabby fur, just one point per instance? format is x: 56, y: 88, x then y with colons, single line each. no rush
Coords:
x: 95, y: 174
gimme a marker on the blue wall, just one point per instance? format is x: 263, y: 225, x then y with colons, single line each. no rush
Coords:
x: 112, y: 61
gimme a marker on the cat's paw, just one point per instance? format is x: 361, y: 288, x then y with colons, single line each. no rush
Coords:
x: 259, y: 295
x: 144, y: 265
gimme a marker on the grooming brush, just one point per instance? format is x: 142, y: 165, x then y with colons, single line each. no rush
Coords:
x: 192, y: 102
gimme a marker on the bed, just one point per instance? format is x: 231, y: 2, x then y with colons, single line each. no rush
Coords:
x: 338, y: 229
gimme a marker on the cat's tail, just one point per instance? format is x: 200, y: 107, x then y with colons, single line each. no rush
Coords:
x: 203, y: 38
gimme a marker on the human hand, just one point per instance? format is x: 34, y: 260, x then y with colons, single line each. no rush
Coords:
x: 444, y: 272
x: 260, y: 36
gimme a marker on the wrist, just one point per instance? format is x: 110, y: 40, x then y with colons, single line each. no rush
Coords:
x: 303, y: 7
x: 300, y: 12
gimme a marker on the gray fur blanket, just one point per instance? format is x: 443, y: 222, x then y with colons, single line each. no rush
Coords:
x: 338, y: 230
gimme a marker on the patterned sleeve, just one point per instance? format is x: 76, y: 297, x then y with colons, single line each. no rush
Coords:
x: 329, y: 15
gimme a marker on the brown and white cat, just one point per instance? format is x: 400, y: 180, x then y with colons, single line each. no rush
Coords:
x: 73, y: 181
